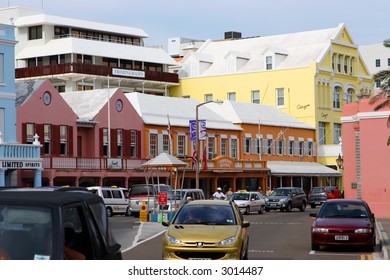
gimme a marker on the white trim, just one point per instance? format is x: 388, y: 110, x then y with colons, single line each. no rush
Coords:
x: 153, y: 131
x: 248, y: 135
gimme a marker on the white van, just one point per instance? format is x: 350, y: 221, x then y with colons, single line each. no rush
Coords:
x: 115, y: 199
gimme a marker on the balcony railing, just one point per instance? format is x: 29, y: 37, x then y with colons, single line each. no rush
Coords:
x: 19, y: 151
x: 89, y: 69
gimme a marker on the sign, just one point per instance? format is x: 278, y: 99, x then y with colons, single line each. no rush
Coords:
x: 162, y: 198
x: 14, y: 164
x: 114, y: 163
x: 202, y: 130
x: 128, y: 73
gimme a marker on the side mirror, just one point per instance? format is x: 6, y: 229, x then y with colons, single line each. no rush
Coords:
x: 166, y: 224
x: 245, y: 224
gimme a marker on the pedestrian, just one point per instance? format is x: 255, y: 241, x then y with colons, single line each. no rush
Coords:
x: 337, y: 193
x: 219, y: 194
x: 230, y: 191
x: 331, y: 195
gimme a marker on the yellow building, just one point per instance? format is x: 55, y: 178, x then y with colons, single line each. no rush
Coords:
x: 309, y: 75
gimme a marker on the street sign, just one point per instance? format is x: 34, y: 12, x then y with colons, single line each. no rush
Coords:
x: 163, y: 198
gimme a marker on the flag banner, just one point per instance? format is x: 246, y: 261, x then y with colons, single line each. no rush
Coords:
x: 204, y: 159
x: 202, y: 130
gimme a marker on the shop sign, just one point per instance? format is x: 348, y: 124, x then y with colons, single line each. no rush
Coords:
x: 19, y: 164
x: 128, y: 73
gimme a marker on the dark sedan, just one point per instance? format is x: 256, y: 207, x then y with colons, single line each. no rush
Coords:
x: 345, y: 222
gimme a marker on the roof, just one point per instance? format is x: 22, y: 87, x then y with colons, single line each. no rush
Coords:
x: 164, y: 160
x: 297, y: 168
x: 87, y: 104
x: 154, y: 110
x: 251, y: 113
x: 299, y: 50
x: 25, y: 89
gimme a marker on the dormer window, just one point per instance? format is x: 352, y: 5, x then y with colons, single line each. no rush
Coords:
x: 268, y: 62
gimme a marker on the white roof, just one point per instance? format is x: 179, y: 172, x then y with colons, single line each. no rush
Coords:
x: 164, y: 160
x: 97, y: 48
x: 87, y: 104
x: 300, y: 49
x: 155, y: 110
x: 251, y: 113
x: 299, y: 168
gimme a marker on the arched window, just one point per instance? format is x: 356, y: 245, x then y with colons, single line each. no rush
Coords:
x: 336, y: 98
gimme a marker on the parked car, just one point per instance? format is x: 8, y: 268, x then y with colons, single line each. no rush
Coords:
x: 342, y: 222
x: 115, y: 199
x: 149, y: 194
x: 318, y: 195
x: 206, y: 230
x: 286, y: 198
x: 182, y: 196
x: 249, y: 202
x: 54, y: 224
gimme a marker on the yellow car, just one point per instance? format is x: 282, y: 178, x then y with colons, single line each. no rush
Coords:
x: 206, y: 230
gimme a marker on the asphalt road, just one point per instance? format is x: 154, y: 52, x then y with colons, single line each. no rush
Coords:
x: 273, y: 236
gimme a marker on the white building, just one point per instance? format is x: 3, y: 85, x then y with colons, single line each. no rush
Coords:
x: 81, y: 55
x: 377, y: 58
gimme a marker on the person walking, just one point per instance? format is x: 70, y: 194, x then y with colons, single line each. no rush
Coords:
x: 219, y: 194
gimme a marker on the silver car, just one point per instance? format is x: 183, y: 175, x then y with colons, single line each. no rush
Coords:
x: 249, y: 202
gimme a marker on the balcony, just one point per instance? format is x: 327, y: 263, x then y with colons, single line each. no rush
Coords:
x: 89, y: 69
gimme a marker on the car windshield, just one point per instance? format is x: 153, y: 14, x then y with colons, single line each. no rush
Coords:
x: 206, y: 215
x: 150, y: 190
x: 343, y: 210
x: 25, y: 232
x: 317, y: 190
x: 240, y: 196
x: 281, y: 192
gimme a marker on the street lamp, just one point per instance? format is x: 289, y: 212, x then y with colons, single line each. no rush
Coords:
x: 197, y: 138
x: 339, y: 162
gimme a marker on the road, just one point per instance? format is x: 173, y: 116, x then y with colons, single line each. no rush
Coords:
x: 273, y: 236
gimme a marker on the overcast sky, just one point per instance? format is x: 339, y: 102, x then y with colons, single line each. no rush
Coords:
x: 368, y: 21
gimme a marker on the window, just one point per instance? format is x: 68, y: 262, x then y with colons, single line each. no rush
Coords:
x: 378, y: 83
x: 181, y: 143
x: 255, y: 96
x: 336, y: 98
x: 339, y: 63
x: 1, y: 68
x: 268, y: 63
x: 105, y: 142
x: 133, y: 143
x: 322, y: 133
x: 290, y: 147
x: 333, y: 61
x: 337, y: 133
x: 35, y: 32
x: 388, y: 62
x: 280, y: 97
x: 30, y: 131
x: 351, y: 66
x: 208, y: 97
x: 346, y: 64
x: 301, y: 146
x: 211, y: 147
x: 231, y: 96
x: 377, y: 63
x: 153, y: 144
x: 223, y: 146
x: 349, y: 96
x: 258, y: 145
x: 165, y: 143
x: 120, y: 142
x: 247, y: 145
x: 270, y: 146
x: 47, y: 139
x: 233, y: 148
x: 279, y: 147
x: 309, y: 146
x: 63, y: 140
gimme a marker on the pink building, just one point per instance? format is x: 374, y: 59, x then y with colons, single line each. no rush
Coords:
x: 85, y: 139
x: 367, y: 156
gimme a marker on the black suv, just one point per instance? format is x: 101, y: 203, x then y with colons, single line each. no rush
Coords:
x: 285, y: 199
x: 54, y: 224
x: 318, y: 195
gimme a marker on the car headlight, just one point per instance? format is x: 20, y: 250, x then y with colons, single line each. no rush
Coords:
x: 267, y: 199
x: 363, y: 230
x: 174, y: 241
x: 283, y: 200
x: 227, y: 241
x: 321, y: 230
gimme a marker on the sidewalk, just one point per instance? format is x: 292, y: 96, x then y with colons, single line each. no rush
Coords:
x: 383, y: 232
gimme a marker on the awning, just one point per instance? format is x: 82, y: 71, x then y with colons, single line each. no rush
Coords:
x: 297, y: 168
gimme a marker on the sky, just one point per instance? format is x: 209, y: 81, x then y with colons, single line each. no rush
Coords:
x: 368, y: 21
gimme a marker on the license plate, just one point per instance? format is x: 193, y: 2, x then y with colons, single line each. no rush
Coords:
x: 196, y: 259
x: 317, y: 202
x: 341, y: 237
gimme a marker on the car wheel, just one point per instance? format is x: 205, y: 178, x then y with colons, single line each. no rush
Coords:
x: 245, y: 256
x: 261, y: 211
x: 303, y: 207
x: 109, y: 211
x: 288, y: 207
x: 315, y: 247
x: 247, y: 210
x: 313, y: 206
x: 128, y: 212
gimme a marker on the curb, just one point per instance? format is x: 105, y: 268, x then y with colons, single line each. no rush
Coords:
x: 384, y: 240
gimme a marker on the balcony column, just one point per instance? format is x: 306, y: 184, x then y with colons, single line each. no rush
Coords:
x: 38, y: 178
x: 2, y: 177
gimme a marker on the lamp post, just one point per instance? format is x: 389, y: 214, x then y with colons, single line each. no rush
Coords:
x: 197, y: 138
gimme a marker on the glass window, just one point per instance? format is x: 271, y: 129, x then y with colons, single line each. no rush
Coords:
x: 280, y: 97
x: 153, y: 144
x: 208, y: 97
x: 290, y: 147
x: 233, y: 148
x: 35, y: 32
x: 377, y: 63
x: 211, y: 147
x: 268, y: 62
x: 322, y: 133
x: 337, y: 133
x: 133, y: 143
x: 231, y: 96
x: 336, y: 98
x: 165, y: 143
x: 47, y: 139
x: 255, y: 96
x: 247, y: 145
x: 339, y: 63
x: 346, y: 59
x: 279, y: 147
x: 105, y: 142
x: 181, y: 142
x: 388, y: 62
x: 63, y: 139
x: 223, y: 146
x: 349, y: 96
x: 120, y: 142
x: 30, y: 131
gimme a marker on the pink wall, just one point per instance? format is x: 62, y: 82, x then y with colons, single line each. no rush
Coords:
x: 374, y: 155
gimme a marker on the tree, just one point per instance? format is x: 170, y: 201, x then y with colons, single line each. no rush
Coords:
x: 383, y: 97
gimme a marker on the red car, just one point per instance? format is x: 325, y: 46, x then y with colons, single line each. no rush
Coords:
x: 345, y: 222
